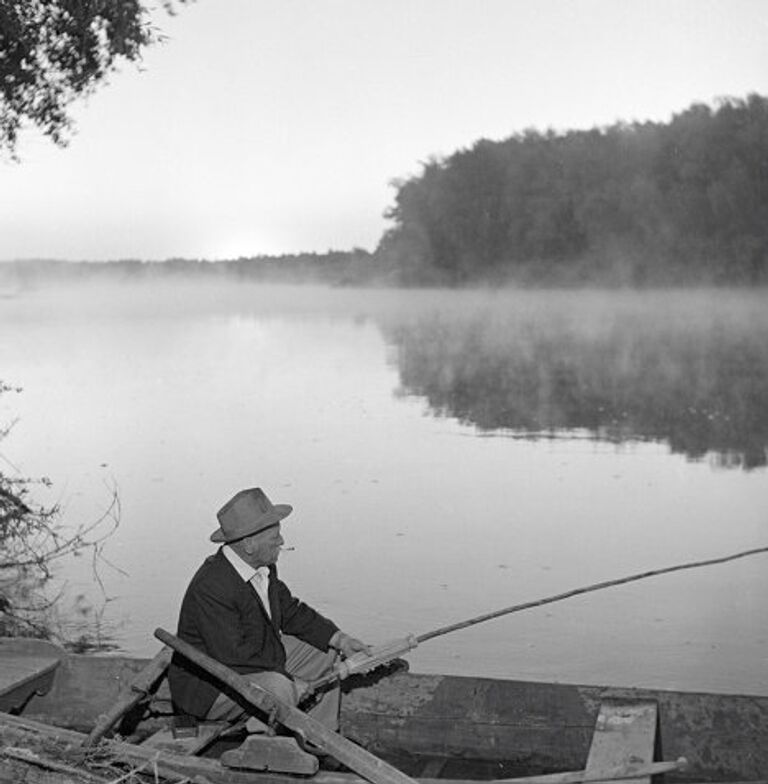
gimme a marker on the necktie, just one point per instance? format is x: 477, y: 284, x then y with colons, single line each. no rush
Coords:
x: 260, y: 581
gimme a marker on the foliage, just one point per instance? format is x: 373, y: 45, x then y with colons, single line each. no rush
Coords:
x: 32, y: 540
x: 634, y: 203
x: 338, y: 268
x: 54, y: 51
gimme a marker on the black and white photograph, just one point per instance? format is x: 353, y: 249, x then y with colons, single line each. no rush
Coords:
x: 383, y: 391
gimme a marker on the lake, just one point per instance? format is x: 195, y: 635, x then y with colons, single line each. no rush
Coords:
x: 447, y: 454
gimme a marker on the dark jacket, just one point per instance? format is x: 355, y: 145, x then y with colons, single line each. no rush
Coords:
x: 222, y: 616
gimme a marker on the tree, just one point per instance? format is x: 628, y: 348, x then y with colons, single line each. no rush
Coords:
x: 644, y: 203
x: 55, y: 51
x: 32, y: 539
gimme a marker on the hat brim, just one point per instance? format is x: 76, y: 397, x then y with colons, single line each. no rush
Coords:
x: 273, y: 517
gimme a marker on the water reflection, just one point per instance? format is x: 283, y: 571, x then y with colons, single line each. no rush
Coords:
x: 181, y: 396
x: 695, y: 380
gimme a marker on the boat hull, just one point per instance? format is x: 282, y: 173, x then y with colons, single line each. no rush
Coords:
x: 504, y: 726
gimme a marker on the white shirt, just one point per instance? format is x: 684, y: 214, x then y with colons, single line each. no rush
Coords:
x: 258, y: 578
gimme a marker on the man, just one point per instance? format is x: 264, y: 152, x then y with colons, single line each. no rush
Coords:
x: 238, y: 611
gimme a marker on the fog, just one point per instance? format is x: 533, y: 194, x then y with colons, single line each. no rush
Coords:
x: 485, y: 447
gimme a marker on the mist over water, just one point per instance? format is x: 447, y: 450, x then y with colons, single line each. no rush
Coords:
x: 447, y: 454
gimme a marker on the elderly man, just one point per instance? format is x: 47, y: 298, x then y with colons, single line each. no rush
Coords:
x: 238, y: 611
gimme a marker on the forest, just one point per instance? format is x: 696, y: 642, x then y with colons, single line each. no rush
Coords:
x: 680, y: 203
x: 683, y: 203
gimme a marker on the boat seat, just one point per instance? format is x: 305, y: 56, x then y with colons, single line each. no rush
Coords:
x: 271, y: 753
x: 22, y: 675
x: 625, y: 735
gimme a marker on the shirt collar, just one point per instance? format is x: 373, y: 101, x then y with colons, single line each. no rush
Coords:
x: 246, y: 571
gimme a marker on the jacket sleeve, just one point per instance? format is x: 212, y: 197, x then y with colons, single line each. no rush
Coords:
x: 300, y: 620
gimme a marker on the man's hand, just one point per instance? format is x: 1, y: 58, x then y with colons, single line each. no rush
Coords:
x: 347, y: 645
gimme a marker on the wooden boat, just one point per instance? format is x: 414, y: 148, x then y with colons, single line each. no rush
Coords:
x: 428, y: 726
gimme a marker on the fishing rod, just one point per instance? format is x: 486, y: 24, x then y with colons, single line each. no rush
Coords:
x: 382, y: 654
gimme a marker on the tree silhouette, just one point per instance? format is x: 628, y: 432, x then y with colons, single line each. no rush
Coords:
x: 639, y: 203
x: 55, y: 51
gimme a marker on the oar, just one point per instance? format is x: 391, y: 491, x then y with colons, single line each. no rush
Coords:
x: 362, y: 662
x: 616, y: 773
x: 350, y: 754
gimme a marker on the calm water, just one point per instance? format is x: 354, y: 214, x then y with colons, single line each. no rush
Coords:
x: 447, y: 454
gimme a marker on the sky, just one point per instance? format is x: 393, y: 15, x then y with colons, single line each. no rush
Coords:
x: 278, y: 127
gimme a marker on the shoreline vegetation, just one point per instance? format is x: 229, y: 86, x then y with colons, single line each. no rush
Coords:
x: 631, y: 205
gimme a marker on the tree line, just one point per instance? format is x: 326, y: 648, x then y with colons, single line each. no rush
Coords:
x: 637, y: 203
x: 634, y: 203
x: 356, y: 267
x: 640, y: 204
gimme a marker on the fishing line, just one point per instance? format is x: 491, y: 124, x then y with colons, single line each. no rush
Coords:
x: 381, y: 654
x: 586, y: 589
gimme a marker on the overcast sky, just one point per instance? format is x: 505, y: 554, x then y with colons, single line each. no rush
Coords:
x: 276, y: 127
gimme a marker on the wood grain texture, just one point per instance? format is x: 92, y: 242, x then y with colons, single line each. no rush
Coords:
x: 543, y: 726
x: 625, y: 735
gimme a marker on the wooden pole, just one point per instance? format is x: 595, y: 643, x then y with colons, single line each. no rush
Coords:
x: 136, y: 691
x: 586, y: 589
x: 616, y: 773
x: 391, y: 650
x: 346, y: 752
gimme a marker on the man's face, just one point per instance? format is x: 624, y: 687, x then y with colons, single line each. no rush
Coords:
x: 263, y: 548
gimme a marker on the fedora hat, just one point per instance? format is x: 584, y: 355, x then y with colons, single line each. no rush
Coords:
x: 247, y: 513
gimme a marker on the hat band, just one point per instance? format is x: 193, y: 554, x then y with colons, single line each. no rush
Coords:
x: 255, y: 533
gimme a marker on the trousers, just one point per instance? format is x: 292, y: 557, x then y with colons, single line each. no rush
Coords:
x: 303, y: 661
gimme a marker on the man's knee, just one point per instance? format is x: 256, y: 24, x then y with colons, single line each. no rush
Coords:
x: 277, y: 684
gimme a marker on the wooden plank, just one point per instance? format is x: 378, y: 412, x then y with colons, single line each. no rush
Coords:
x: 621, y: 773
x: 22, y: 675
x: 624, y: 737
x: 18, y: 670
x: 29, y: 646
